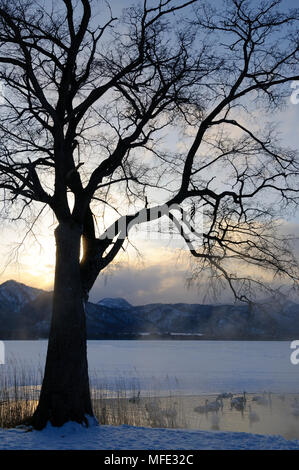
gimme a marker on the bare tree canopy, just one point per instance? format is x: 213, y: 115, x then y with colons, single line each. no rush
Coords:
x: 88, y: 101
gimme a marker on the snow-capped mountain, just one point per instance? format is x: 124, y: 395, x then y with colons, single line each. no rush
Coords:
x: 25, y: 313
x: 15, y: 295
x: 116, y: 302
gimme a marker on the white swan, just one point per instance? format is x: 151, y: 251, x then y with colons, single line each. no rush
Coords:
x: 170, y: 413
x: 209, y: 406
x: 214, y: 405
x: 135, y: 398
x: 262, y: 399
x: 202, y: 408
x: 225, y: 395
x: 238, y: 402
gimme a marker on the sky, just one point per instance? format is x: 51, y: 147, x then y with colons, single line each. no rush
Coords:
x: 158, y: 273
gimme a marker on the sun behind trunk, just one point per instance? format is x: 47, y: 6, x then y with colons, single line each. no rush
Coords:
x: 65, y: 394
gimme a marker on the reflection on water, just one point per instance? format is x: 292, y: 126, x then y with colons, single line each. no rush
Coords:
x: 262, y: 414
x: 279, y: 415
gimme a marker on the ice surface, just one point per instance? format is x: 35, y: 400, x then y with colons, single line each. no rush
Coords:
x: 189, y: 367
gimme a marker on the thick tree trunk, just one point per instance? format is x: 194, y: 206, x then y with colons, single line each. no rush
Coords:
x: 65, y: 394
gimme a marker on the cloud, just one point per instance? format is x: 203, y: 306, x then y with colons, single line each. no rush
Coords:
x: 145, y: 285
x: 162, y: 276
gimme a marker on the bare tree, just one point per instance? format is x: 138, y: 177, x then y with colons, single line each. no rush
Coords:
x: 88, y: 100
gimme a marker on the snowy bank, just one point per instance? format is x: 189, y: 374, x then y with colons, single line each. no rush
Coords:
x: 74, y: 436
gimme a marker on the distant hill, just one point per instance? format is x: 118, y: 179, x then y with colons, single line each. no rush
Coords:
x: 25, y: 313
x: 14, y: 295
x: 114, y: 303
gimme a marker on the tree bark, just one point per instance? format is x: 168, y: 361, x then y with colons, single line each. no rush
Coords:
x: 65, y: 393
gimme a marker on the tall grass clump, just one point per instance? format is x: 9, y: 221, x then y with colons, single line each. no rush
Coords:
x: 115, y: 401
x: 123, y: 402
x: 19, y: 391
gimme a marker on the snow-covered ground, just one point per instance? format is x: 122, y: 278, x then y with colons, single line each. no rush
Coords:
x: 185, y: 367
x: 73, y: 436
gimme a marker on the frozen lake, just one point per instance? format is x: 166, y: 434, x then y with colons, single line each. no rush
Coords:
x: 186, y: 367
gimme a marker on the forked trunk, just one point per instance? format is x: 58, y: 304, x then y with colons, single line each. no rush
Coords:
x: 65, y: 394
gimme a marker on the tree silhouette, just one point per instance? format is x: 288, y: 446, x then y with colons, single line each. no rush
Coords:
x: 88, y: 99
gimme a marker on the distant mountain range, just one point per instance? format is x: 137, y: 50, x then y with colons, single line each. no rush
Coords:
x: 25, y: 313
